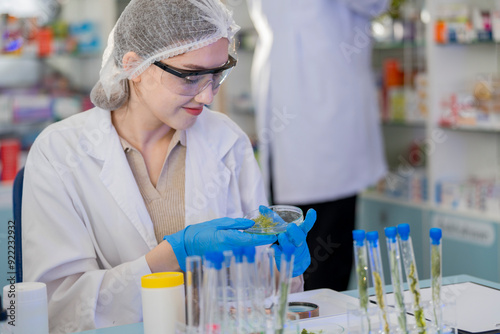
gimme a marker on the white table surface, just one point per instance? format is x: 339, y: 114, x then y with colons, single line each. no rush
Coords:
x: 333, y: 306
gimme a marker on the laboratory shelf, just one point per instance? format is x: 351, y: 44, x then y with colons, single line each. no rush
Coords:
x: 23, y: 126
x: 375, y: 196
x: 410, y: 124
x: 10, y: 58
x: 450, y: 152
x: 477, y: 215
x: 397, y: 45
x: 468, y: 214
x: 489, y: 42
x: 89, y: 55
x: 480, y: 129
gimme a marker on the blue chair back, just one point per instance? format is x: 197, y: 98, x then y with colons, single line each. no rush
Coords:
x: 17, y: 199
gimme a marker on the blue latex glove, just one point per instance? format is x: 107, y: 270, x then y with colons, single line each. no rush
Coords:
x: 293, y: 236
x: 215, y: 235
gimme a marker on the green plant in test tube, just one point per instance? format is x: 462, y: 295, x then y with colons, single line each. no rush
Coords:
x: 411, y: 274
x: 378, y: 274
x: 286, y: 271
x: 436, y: 260
x: 361, y: 262
x: 396, y: 275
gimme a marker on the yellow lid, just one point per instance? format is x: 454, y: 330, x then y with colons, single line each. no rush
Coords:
x: 162, y: 280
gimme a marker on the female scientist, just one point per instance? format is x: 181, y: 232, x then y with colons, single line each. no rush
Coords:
x: 141, y: 181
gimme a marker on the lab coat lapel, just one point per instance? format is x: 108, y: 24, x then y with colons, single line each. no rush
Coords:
x: 117, y: 176
x: 207, y: 177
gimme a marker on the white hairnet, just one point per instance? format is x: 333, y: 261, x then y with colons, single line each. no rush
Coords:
x: 156, y: 30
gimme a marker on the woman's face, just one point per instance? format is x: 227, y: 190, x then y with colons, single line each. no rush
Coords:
x: 161, y: 104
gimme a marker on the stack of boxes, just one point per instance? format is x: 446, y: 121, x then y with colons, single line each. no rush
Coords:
x: 480, y: 195
x: 460, y: 23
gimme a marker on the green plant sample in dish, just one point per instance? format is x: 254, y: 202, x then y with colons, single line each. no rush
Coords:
x: 264, y: 222
x: 266, y: 225
x: 304, y: 331
x: 316, y: 329
x: 274, y: 220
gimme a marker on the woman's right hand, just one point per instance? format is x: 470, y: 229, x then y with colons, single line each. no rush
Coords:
x: 215, y: 235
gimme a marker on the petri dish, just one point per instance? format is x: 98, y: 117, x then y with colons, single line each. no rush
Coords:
x: 304, y: 309
x: 269, y: 225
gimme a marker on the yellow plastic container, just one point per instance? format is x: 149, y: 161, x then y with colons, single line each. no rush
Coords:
x: 163, y: 302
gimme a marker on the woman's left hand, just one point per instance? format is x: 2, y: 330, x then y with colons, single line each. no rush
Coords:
x: 295, y: 236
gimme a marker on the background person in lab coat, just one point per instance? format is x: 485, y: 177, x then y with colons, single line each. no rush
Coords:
x: 312, y: 75
x: 139, y: 182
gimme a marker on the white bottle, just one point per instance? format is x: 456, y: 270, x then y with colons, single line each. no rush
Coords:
x: 163, y: 302
x: 26, y: 305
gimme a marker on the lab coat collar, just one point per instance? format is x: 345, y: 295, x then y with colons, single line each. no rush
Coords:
x: 97, y: 134
x: 207, y: 177
x: 102, y: 142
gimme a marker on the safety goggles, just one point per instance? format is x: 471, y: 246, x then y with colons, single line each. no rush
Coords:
x: 191, y: 83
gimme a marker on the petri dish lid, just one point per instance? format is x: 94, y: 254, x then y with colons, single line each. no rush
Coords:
x: 269, y: 225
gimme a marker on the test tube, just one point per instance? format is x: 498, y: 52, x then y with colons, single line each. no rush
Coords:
x: 240, y: 287
x: 396, y: 275
x: 286, y: 270
x: 436, y: 264
x: 377, y: 275
x: 256, y: 310
x: 230, y: 280
x: 268, y: 276
x: 210, y: 319
x: 215, y: 298
x: 194, y: 294
x: 411, y: 274
x: 267, y: 285
x: 361, y: 262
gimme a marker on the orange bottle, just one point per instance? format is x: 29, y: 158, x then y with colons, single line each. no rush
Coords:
x: 9, y: 159
x: 440, y: 32
x: 45, y: 38
x: 393, y: 77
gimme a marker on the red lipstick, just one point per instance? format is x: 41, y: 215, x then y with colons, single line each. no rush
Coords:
x: 194, y: 111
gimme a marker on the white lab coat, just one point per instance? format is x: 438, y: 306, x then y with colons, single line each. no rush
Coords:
x: 315, y: 98
x: 86, y: 228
